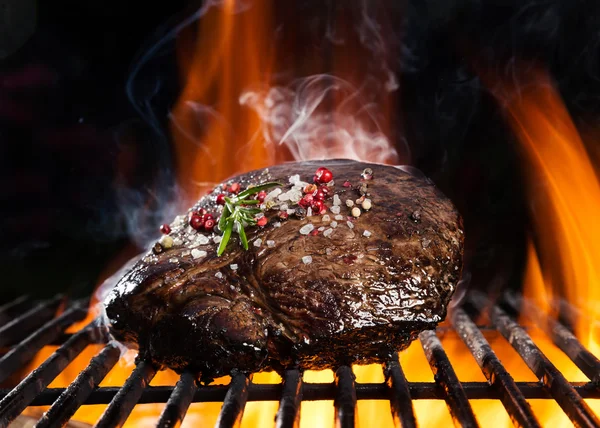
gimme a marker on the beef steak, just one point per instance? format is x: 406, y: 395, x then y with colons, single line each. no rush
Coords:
x: 352, y: 290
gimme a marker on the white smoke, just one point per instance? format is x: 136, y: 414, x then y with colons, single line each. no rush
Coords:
x: 321, y: 117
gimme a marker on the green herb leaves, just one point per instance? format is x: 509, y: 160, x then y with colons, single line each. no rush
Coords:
x: 239, y: 212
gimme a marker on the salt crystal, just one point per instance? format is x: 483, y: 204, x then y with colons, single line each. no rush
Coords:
x: 321, y: 229
x: 233, y: 266
x: 173, y: 260
x: 336, y: 200
x: 306, y: 229
x: 177, y: 241
x: 185, y: 253
x: 294, y: 179
x: 366, y: 233
x: 273, y: 194
x: 284, y: 196
x: 217, y: 239
x: 335, y: 209
x: 326, y: 218
x: 291, y: 211
x: 309, y: 212
x: 334, y: 224
x: 328, y: 251
x: 202, y: 239
x: 219, y: 275
x: 350, y: 224
x: 270, y: 244
x: 198, y: 253
x: 328, y: 232
x: 307, y: 260
x: 339, y: 217
x: 258, y: 243
x: 277, y: 224
x: 284, y: 207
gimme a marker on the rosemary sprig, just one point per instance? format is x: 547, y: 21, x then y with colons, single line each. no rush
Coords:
x: 239, y: 213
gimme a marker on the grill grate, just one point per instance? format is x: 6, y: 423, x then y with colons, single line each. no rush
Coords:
x: 42, y: 328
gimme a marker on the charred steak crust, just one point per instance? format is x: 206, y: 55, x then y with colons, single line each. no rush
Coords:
x: 359, y: 300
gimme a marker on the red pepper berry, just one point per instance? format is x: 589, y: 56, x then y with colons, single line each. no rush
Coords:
x: 235, y: 188
x: 319, y: 195
x: 260, y: 197
x: 283, y: 215
x: 165, y: 228
x: 207, y: 216
x: 209, y: 224
x: 314, y: 232
x: 326, y: 190
x: 196, y: 222
x: 323, y: 175
x: 317, y: 206
x: 221, y: 199
x: 201, y: 212
x: 306, y: 201
x: 262, y: 221
x: 347, y: 184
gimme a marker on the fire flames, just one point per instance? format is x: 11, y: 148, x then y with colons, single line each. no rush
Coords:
x: 224, y: 123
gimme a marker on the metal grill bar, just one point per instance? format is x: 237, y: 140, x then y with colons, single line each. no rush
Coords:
x: 179, y: 401
x: 345, y: 398
x: 24, y: 393
x: 234, y: 402
x: 562, y: 337
x: 318, y: 391
x: 444, y: 375
x: 288, y: 415
x: 11, y: 307
x: 74, y: 396
x: 563, y: 392
x: 400, y: 399
x: 26, y: 350
x: 124, y: 401
x: 517, y: 407
x: 29, y: 321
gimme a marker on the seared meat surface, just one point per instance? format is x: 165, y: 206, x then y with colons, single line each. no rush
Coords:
x: 351, y: 290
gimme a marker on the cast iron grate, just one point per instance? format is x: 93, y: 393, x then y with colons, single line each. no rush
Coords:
x: 26, y: 329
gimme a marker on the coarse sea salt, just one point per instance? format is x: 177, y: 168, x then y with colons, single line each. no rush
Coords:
x: 306, y: 229
x: 336, y: 200
x: 270, y: 244
x: 217, y: 239
x: 258, y: 242
x: 328, y: 232
x: 321, y: 229
x: 202, y: 239
x: 334, y: 224
x: 326, y: 218
x: 277, y: 224
x: 233, y: 266
x: 350, y: 224
x: 339, y: 217
x: 177, y: 241
x: 309, y: 212
x: 366, y: 233
x: 335, y: 209
x: 198, y: 253
x: 307, y: 260
x: 294, y: 179
x: 219, y: 275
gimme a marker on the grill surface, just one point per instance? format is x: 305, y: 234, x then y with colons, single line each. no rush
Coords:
x: 26, y: 329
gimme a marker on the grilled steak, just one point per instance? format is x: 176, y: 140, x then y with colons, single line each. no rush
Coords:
x: 312, y: 291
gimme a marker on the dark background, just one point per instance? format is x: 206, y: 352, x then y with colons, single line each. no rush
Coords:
x: 85, y: 160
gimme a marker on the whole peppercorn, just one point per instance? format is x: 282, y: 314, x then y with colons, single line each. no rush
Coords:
x: 260, y: 197
x: 209, y: 224
x: 165, y: 229
x: 221, y: 199
x: 323, y: 175
x: 196, y: 222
